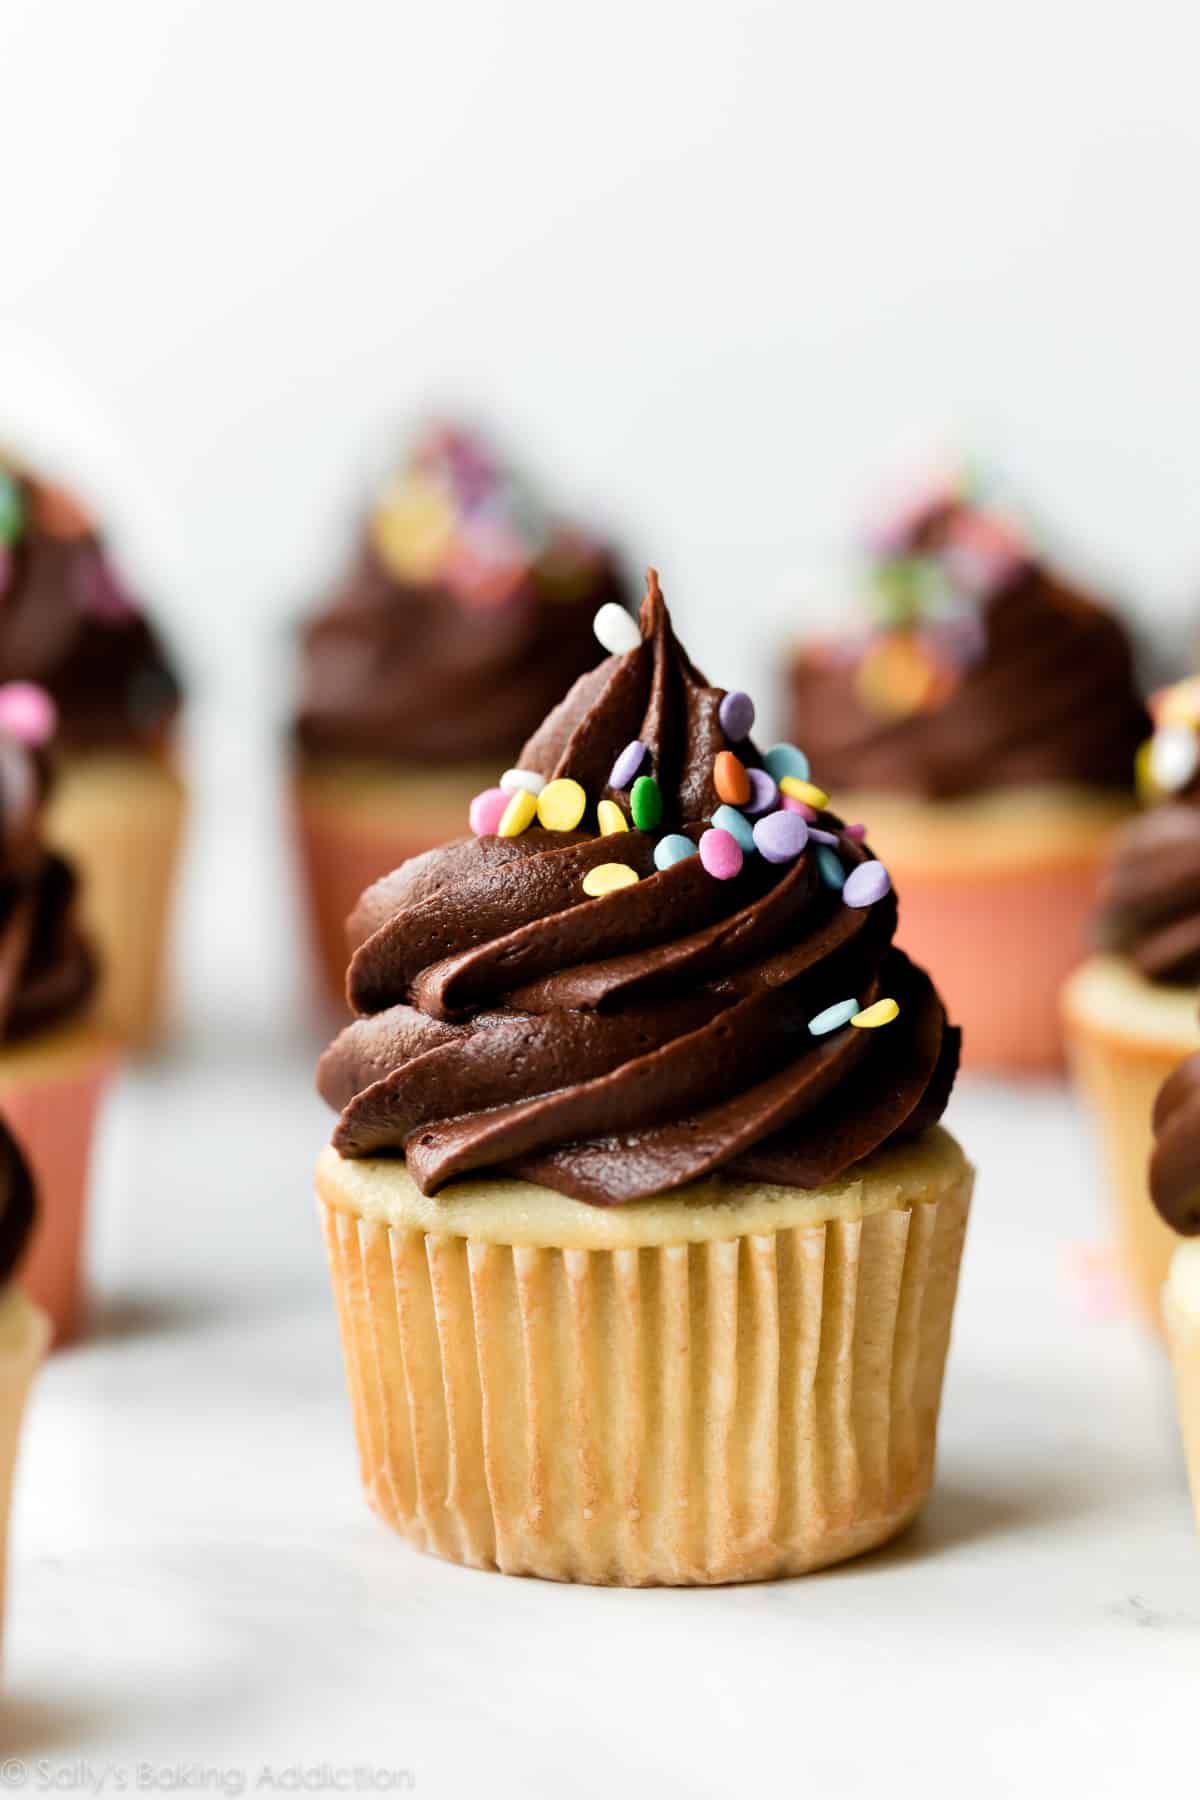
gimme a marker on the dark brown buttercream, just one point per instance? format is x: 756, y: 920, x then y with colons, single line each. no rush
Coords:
x: 1175, y: 1163
x: 46, y: 968
x: 16, y: 1203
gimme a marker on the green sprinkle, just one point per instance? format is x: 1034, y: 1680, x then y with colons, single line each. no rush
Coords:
x: 12, y: 511
x: 645, y: 803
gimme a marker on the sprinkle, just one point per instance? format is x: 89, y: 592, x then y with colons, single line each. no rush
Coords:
x: 730, y: 779
x: 606, y: 878
x: 561, y: 804
x: 824, y: 837
x: 616, y: 629
x: 721, y: 854
x: 882, y: 1013
x: 58, y: 513
x: 518, y: 815
x: 487, y: 810
x: 645, y: 803
x: 764, y: 794
x: 512, y: 779
x: 627, y: 764
x: 790, y: 804
x: 781, y: 836
x: 736, y: 715
x: 27, y: 713
x: 830, y: 868
x: 610, y: 818
x: 856, y: 833
x: 1174, y: 755
x: 785, y: 759
x: 728, y: 818
x: 796, y: 788
x: 12, y: 509
x: 896, y: 677
x: 840, y: 1013
x: 867, y: 883
x: 672, y: 849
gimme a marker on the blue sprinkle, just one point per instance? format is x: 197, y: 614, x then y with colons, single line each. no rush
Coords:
x: 728, y: 818
x: 785, y: 759
x: 840, y: 1013
x: 832, y: 872
x: 674, y: 848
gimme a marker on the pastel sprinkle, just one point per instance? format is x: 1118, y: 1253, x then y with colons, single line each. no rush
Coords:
x: 791, y: 804
x: 730, y: 779
x: 728, y: 818
x: 797, y: 788
x: 1174, y: 756
x: 606, y: 878
x: 487, y: 810
x: 610, y: 818
x: 785, y: 759
x: 781, y: 836
x: 518, y: 815
x: 561, y: 804
x: 855, y: 832
x: 27, y: 713
x: 764, y: 793
x: 736, y: 715
x: 672, y: 849
x: 829, y: 868
x: 512, y: 779
x: 823, y: 837
x: 645, y: 803
x: 840, y: 1013
x: 867, y: 883
x: 627, y: 764
x: 616, y: 629
x: 12, y: 510
x: 721, y: 854
x: 882, y: 1013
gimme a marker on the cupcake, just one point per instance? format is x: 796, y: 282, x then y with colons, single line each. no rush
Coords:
x: 1130, y: 1009
x: 643, y: 1233
x: 465, y: 614
x: 69, y: 624
x: 1175, y: 1191
x: 55, y: 1059
x: 986, y: 723
x: 24, y: 1330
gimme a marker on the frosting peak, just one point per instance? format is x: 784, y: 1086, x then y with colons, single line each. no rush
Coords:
x: 617, y: 1036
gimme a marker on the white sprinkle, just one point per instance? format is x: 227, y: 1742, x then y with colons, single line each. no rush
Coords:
x: 1174, y: 754
x: 512, y: 779
x: 617, y: 630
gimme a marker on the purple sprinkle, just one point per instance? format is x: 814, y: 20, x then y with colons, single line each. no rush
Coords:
x: 627, y: 764
x: 856, y: 832
x: 823, y: 837
x: 721, y: 854
x: 781, y: 836
x: 867, y: 883
x: 764, y: 794
x: 736, y: 713
x: 487, y: 810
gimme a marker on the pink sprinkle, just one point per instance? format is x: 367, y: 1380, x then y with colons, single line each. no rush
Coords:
x: 791, y: 804
x: 27, y: 713
x: 487, y: 810
x: 721, y: 854
x: 857, y: 832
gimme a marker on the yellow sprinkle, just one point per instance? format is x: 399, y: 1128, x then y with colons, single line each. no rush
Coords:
x: 611, y: 818
x: 1143, y: 777
x: 518, y: 815
x: 606, y: 878
x: 807, y: 791
x: 1177, y: 705
x: 882, y: 1013
x: 560, y: 804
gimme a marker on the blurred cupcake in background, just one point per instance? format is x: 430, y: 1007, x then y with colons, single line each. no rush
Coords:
x: 985, y: 723
x: 1131, y: 1008
x: 24, y: 1328
x: 466, y: 612
x: 55, y: 1057
x: 69, y: 624
x: 1175, y: 1191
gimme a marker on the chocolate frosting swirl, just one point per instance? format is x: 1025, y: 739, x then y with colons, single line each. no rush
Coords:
x: 1175, y: 1163
x: 464, y: 616
x: 16, y: 1203
x: 1148, y: 903
x: 46, y: 968
x: 623, y: 1046
x: 68, y: 623
x: 989, y: 671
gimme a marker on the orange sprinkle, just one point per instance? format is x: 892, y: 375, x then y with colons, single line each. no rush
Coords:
x: 730, y: 779
x: 58, y: 513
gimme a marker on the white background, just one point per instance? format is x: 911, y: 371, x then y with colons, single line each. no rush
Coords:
x: 710, y: 267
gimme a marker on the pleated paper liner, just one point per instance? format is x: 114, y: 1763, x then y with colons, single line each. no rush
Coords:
x: 1125, y: 1036
x: 1181, y: 1314
x: 50, y: 1093
x: 24, y: 1334
x: 355, y: 821
x: 744, y: 1403
x: 119, y: 817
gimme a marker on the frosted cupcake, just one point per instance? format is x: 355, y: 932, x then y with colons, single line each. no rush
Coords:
x: 1130, y: 1009
x: 986, y: 723
x: 55, y: 1059
x: 24, y: 1330
x: 643, y: 1233
x: 69, y: 624
x: 465, y: 614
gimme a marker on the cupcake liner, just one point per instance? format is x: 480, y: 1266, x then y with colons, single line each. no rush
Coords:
x: 24, y: 1334
x: 673, y: 1413
x: 51, y: 1111
x: 1181, y: 1316
x: 120, y: 820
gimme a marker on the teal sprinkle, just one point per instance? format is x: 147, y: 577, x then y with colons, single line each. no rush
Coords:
x: 830, y: 867
x: 645, y: 803
x: 728, y: 818
x: 12, y: 510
